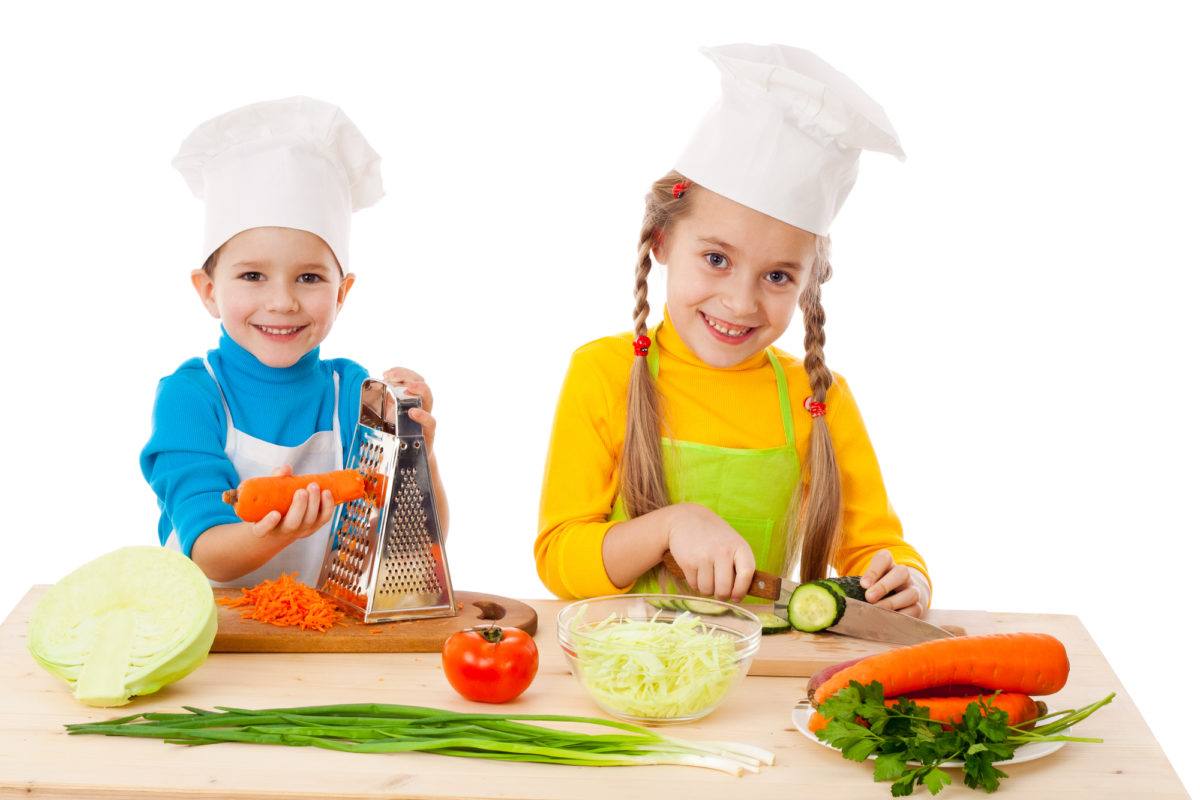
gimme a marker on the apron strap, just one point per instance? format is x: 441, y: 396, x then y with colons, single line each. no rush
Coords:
x: 785, y: 403
x: 336, y: 392
x: 337, y: 424
x: 781, y: 385
x: 652, y: 356
x: 225, y: 405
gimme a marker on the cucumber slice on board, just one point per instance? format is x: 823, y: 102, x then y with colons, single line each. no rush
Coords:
x: 704, y: 607
x: 814, y: 607
x: 772, y: 623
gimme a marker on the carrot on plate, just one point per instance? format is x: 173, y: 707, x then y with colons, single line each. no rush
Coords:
x: 1020, y: 708
x: 1027, y: 663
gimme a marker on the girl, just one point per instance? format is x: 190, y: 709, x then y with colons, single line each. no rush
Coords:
x: 280, y: 180
x: 699, y: 438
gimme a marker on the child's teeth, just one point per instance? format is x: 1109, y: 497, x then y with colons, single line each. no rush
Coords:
x: 279, y: 331
x: 735, y: 332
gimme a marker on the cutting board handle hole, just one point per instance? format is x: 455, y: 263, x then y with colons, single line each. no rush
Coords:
x: 489, y: 611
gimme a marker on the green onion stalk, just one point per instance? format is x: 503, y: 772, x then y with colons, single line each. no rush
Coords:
x: 379, y: 728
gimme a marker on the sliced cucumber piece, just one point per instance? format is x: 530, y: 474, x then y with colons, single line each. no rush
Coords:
x: 772, y: 623
x: 834, y: 585
x: 814, y: 607
x: 704, y: 607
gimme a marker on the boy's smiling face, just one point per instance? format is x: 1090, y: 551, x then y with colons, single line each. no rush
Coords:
x: 277, y: 291
x: 734, y: 277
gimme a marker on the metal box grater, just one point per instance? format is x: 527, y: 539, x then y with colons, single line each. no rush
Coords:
x: 385, y: 559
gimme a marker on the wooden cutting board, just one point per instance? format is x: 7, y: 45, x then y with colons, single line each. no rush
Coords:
x: 798, y: 654
x: 237, y: 635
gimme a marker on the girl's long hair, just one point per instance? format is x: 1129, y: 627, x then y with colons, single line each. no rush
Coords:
x: 815, y: 512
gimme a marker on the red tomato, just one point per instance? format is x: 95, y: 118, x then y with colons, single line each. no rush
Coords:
x: 490, y: 665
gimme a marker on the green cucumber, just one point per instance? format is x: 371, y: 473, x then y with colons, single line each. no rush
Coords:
x: 772, y: 623
x: 813, y: 607
x: 851, y: 587
x: 698, y: 606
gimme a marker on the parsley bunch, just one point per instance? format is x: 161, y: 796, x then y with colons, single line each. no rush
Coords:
x: 910, y: 748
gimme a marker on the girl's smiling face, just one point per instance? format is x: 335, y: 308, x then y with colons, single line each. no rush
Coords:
x: 276, y: 291
x: 734, y: 277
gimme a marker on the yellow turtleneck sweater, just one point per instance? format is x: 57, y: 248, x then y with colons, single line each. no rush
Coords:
x: 732, y: 407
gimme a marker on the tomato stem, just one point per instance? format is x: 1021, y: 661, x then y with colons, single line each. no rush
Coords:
x: 492, y: 633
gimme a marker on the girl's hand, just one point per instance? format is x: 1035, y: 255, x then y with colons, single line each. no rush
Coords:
x: 895, y: 586
x: 311, y: 508
x: 715, y: 558
x: 414, y: 384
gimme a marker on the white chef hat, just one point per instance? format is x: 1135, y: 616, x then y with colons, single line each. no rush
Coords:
x: 785, y: 135
x: 293, y: 163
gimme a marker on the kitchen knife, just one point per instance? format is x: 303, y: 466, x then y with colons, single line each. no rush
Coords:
x: 861, y: 620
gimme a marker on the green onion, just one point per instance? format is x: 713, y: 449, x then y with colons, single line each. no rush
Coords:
x: 376, y: 728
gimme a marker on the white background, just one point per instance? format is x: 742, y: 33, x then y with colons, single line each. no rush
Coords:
x: 1014, y: 306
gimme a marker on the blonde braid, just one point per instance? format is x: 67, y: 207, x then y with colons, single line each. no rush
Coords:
x: 819, y: 376
x: 816, y: 515
x: 643, y: 479
x: 641, y: 306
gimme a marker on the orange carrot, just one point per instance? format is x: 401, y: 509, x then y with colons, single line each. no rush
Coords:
x: 825, y: 674
x: 376, y: 487
x: 949, y: 710
x: 286, y: 602
x: 1028, y: 663
x: 953, y: 690
x: 257, y: 497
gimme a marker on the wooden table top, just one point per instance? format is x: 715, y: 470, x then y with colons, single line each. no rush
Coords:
x: 37, y: 758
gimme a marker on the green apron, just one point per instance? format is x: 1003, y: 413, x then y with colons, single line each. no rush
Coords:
x: 750, y: 489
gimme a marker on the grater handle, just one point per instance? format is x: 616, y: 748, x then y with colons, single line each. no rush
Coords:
x: 377, y: 406
x: 406, y: 425
x: 385, y: 408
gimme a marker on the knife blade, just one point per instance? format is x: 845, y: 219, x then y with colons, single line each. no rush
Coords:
x: 867, y: 621
x: 860, y: 621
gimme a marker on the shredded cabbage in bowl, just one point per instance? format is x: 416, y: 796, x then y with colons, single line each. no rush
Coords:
x: 655, y: 669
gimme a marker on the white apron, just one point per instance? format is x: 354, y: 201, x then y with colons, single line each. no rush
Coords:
x: 253, y: 458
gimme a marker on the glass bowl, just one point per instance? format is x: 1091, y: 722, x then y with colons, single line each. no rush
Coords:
x: 658, y: 659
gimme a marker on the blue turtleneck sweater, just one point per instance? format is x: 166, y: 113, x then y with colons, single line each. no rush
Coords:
x: 185, y: 462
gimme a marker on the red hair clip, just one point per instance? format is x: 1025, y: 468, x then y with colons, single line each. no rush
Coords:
x: 679, y: 188
x: 641, y: 345
x: 813, y: 407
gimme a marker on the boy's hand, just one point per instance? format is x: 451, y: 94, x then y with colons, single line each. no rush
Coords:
x: 895, y: 586
x: 311, y: 508
x: 414, y: 384
x: 717, y: 561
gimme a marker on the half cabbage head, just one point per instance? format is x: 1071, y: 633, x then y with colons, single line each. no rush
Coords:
x: 126, y: 624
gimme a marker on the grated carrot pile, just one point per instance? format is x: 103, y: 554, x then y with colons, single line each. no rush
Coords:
x: 286, y: 602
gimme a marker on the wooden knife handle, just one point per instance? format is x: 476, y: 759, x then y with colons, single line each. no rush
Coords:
x: 763, y: 584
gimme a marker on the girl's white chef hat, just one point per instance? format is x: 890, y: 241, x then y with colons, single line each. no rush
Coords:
x: 294, y: 163
x: 785, y: 135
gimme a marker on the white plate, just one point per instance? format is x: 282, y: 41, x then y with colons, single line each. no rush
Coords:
x: 1026, y: 752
